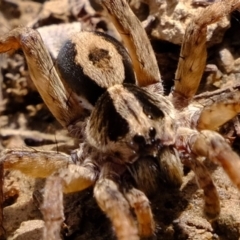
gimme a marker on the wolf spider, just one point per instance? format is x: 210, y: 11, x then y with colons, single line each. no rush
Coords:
x: 122, y: 117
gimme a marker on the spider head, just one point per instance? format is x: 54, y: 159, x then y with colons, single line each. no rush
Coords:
x: 129, y: 122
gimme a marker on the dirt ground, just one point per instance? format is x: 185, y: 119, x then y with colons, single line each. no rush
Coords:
x: 25, y: 122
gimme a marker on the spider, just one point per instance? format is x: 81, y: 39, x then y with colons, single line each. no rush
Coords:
x: 123, y: 119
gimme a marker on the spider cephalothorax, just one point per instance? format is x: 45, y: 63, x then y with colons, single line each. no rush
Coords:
x: 126, y: 125
x: 133, y: 122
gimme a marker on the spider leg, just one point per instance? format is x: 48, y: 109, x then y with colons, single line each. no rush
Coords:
x: 113, y: 202
x: 212, y: 145
x: 58, y: 97
x: 34, y: 163
x: 193, y: 53
x: 136, y: 41
x: 218, y: 108
x: 42, y: 164
x: 52, y: 208
x: 205, y: 182
x: 77, y: 178
x: 140, y: 203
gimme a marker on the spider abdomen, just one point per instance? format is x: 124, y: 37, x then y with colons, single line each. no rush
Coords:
x: 90, y: 62
x: 128, y: 121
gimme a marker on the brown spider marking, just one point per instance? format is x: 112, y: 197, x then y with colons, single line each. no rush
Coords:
x: 122, y: 120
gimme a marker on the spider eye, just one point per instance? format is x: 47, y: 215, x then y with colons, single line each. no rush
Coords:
x: 139, y: 139
x: 152, y: 132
